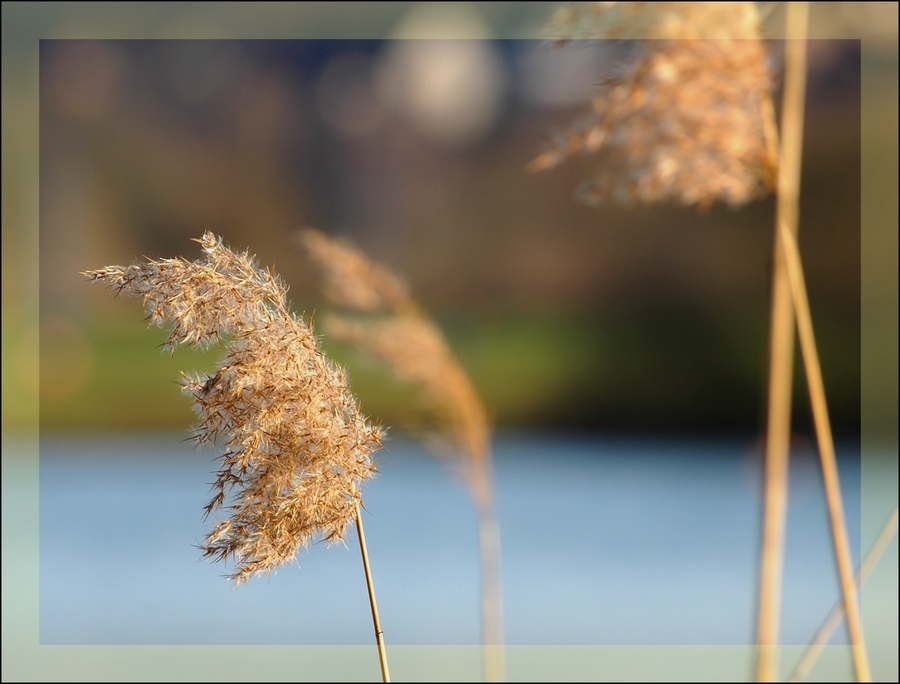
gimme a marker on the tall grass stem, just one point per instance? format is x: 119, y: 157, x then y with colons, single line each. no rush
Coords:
x: 491, y: 580
x: 781, y: 348
x: 824, y: 437
x: 379, y: 635
x: 837, y: 613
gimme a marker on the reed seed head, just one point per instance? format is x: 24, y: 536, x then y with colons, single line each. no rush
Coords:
x: 688, y: 119
x: 351, y: 279
x: 387, y: 324
x: 296, y: 448
x: 382, y: 320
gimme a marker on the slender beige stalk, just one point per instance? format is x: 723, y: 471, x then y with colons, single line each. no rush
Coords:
x: 379, y: 635
x: 491, y: 581
x: 837, y: 613
x: 843, y: 556
x: 781, y: 350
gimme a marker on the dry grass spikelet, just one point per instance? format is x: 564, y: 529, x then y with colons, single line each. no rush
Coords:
x: 689, y: 118
x: 352, y: 280
x: 296, y: 449
x: 385, y: 322
x: 417, y: 353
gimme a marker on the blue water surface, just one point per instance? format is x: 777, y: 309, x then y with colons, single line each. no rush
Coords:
x: 603, y: 542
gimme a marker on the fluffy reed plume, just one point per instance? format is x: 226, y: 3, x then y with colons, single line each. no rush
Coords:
x: 385, y: 322
x: 688, y: 118
x: 296, y: 449
x: 397, y: 332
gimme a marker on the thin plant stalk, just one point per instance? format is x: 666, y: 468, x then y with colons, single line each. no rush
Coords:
x: 834, y: 618
x: 826, y: 453
x: 781, y: 349
x: 379, y: 635
x: 491, y: 581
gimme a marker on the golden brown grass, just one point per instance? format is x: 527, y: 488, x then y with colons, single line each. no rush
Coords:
x: 688, y: 118
x: 789, y: 297
x: 297, y: 451
x: 382, y: 320
x: 781, y: 359
x: 691, y: 120
x: 834, y: 500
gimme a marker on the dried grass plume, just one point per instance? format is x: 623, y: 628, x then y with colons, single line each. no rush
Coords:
x: 687, y: 118
x: 383, y: 321
x: 296, y: 448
